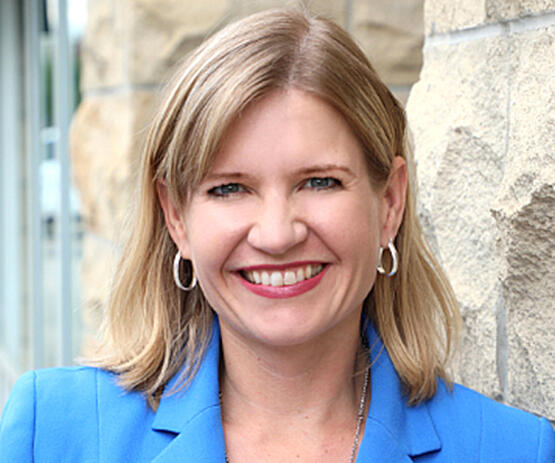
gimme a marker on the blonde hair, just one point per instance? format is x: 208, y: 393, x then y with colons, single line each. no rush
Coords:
x: 153, y: 329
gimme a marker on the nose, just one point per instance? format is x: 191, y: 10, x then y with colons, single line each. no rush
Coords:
x: 277, y: 227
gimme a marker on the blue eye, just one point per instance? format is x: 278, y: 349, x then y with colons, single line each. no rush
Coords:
x: 226, y: 190
x: 322, y: 183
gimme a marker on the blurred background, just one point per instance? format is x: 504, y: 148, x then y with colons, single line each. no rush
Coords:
x: 41, y: 230
x: 78, y: 83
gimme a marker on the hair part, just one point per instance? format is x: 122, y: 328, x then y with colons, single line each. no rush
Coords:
x: 152, y: 329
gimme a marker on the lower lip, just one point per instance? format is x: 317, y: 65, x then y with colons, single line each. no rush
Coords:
x: 282, y: 292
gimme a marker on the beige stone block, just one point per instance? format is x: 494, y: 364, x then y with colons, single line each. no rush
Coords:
x: 525, y: 216
x: 162, y: 32
x: 457, y: 112
x: 442, y: 16
x: 392, y: 37
x: 97, y: 268
x: 526, y: 241
x: 531, y: 144
x: 510, y: 9
x: 105, y: 141
x: 475, y: 363
x: 104, y: 45
x: 450, y: 15
x: 329, y: 8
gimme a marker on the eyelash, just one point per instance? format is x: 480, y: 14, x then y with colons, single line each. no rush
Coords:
x: 219, y: 192
x: 331, y: 183
x: 227, y: 190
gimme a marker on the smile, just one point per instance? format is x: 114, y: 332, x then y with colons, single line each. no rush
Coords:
x: 284, y: 277
x: 285, y: 282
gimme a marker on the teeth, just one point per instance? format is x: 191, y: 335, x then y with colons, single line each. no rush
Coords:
x: 285, y: 278
x: 276, y: 279
x: 289, y: 278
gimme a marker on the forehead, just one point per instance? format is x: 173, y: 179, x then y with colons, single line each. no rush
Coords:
x: 285, y: 128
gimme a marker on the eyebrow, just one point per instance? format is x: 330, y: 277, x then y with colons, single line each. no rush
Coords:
x: 318, y: 168
x: 226, y: 175
x: 310, y: 170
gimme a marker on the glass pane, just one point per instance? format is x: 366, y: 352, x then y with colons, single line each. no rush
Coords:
x: 40, y: 251
x: 61, y: 299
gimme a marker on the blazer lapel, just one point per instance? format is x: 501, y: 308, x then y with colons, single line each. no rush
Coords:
x: 394, y: 431
x: 201, y: 440
x: 194, y: 414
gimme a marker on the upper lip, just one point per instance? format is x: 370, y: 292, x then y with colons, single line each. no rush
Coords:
x: 281, y: 266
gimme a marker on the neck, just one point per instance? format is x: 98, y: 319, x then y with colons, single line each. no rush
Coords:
x: 315, y: 381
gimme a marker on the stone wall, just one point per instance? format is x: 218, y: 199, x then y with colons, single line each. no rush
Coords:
x: 129, y: 50
x: 482, y: 116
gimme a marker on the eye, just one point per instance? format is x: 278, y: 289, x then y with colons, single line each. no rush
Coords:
x: 226, y: 189
x: 322, y: 183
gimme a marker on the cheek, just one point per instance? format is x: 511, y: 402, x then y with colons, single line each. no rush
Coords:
x: 213, y: 233
x: 348, y: 223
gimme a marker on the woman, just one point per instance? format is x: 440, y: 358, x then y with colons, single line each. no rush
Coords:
x: 276, y: 300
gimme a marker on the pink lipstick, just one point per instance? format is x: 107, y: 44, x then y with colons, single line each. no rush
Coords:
x: 285, y: 291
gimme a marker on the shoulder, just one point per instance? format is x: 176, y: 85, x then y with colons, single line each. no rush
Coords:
x: 51, y: 411
x: 466, y: 419
x: 65, y: 390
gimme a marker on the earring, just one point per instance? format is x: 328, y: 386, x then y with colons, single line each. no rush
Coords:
x: 394, y: 258
x: 193, y: 283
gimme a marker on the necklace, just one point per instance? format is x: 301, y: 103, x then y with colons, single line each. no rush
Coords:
x: 360, y: 416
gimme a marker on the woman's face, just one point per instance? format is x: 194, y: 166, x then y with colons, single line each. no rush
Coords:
x: 284, y: 231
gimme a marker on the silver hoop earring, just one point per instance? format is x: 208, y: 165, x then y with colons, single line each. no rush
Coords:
x: 394, y: 259
x: 193, y: 283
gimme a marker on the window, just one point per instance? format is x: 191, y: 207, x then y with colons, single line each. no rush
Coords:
x: 40, y: 221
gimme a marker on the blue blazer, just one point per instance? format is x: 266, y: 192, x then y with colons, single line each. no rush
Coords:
x: 82, y: 415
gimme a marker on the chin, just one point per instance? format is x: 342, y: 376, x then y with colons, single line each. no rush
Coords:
x: 285, y: 330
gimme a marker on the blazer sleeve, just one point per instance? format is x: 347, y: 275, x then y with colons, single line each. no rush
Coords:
x: 546, y: 447
x: 17, y: 426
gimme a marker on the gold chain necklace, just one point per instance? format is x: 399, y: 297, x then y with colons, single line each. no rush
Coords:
x: 360, y: 416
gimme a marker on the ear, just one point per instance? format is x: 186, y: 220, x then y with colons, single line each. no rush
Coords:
x: 394, y: 196
x: 174, y: 219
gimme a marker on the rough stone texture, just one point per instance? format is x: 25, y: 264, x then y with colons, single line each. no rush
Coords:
x: 527, y: 238
x: 391, y: 34
x: 482, y: 115
x: 106, y: 139
x: 330, y: 9
x: 138, y: 41
x: 103, y: 46
x: 525, y: 218
x: 509, y: 9
x: 450, y: 15
x: 164, y: 31
x: 97, y: 265
x: 457, y: 118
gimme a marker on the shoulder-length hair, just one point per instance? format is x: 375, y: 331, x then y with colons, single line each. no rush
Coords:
x: 152, y: 328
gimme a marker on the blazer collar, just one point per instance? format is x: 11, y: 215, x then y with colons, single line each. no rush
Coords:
x: 194, y: 413
x: 394, y: 431
x: 180, y: 407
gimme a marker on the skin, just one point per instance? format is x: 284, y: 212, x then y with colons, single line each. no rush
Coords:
x: 289, y: 185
